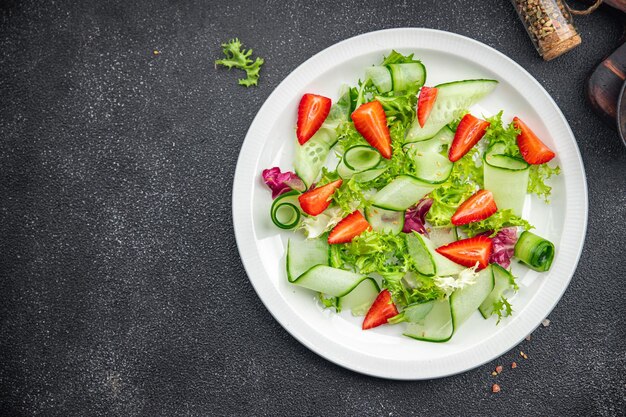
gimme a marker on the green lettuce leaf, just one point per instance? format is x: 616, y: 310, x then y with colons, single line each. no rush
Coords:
x: 237, y: 57
x: 537, y: 180
x: 498, y: 221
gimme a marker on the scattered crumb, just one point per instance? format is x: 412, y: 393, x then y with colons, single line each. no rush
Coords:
x: 514, y: 365
x: 494, y: 373
x: 498, y: 369
x: 156, y: 52
x: 523, y: 355
x: 545, y: 322
x: 528, y: 337
x: 495, y: 388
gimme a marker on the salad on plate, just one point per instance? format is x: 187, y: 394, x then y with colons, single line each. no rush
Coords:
x: 407, y: 207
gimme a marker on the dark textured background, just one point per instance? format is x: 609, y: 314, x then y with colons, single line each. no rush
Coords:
x: 121, y: 289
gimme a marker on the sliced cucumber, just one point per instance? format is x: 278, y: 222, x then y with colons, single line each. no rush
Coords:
x: 407, y: 76
x: 285, y: 210
x: 311, y: 157
x: 430, y: 162
x: 444, y: 267
x: 360, y: 299
x: 380, y: 77
x: 343, y: 171
x: 369, y: 175
x: 441, y: 236
x: 401, y: 193
x: 507, y: 178
x: 436, y: 326
x: 302, y: 255
x: 503, y: 280
x: 452, y: 99
x: 330, y: 281
x: 386, y: 221
x: 361, y: 158
x: 464, y: 302
x: 414, y: 313
x: 420, y: 254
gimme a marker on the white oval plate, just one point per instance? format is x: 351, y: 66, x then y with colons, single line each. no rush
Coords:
x: 384, y: 352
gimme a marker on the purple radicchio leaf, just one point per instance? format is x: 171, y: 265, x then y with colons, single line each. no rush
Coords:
x: 503, y: 246
x: 282, y: 182
x: 415, y: 217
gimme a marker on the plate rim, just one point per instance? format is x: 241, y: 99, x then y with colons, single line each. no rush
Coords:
x: 242, y: 216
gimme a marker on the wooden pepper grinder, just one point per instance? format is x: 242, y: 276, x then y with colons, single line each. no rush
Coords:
x: 606, y: 83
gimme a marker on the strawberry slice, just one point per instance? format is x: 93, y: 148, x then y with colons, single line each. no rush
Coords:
x: 382, y: 310
x: 533, y: 150
x: 370, y: 121
x: 350, y: 227
x: 467, y: 252
x: 476, y: 208
x: 317, y: 200
x: 470, y: 131
x: 312, y: 112
x: 425, y: 103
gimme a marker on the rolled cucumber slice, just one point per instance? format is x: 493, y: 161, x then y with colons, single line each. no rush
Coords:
x: 411, y: 75
x: 414, y: 313
x: 401, y: 193
x: 452, y: 99
x: 534, y: 251
x: 303, y: 255
x: 431, y: 165
x: 386, y: 221
x: 464, y: 302
x: 503, y: 280
x: 285, y: 210
x: 436, y: 326
x: 380, y: 77
x: 361, y: 158
x: 507, y: 178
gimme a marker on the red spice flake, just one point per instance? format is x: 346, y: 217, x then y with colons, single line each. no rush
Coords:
x: 498, y: 369
x: 495, y: 388
x: 514, y: 365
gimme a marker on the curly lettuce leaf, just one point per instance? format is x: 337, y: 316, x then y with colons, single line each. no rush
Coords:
x: 537, y: 180
x: 502, y: 308
x: 506, y: 137
x: 397, y: 58
x: 374, y: 252
x: 401, y: 162
x: 238, y: 57
x: 399, y: 108
x: 493, y: 224
x: 421, y: 289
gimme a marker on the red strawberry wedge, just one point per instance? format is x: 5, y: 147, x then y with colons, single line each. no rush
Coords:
x: 312, y: 112
x: 425, y: 103
x: 533, y: 150
x: 467, y: 252
x: 476, y: 208
x: 317, y: 200
x: 470, y: 131
x: 382, y: 310
x: 370, y: 121
x: 349, y: 228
